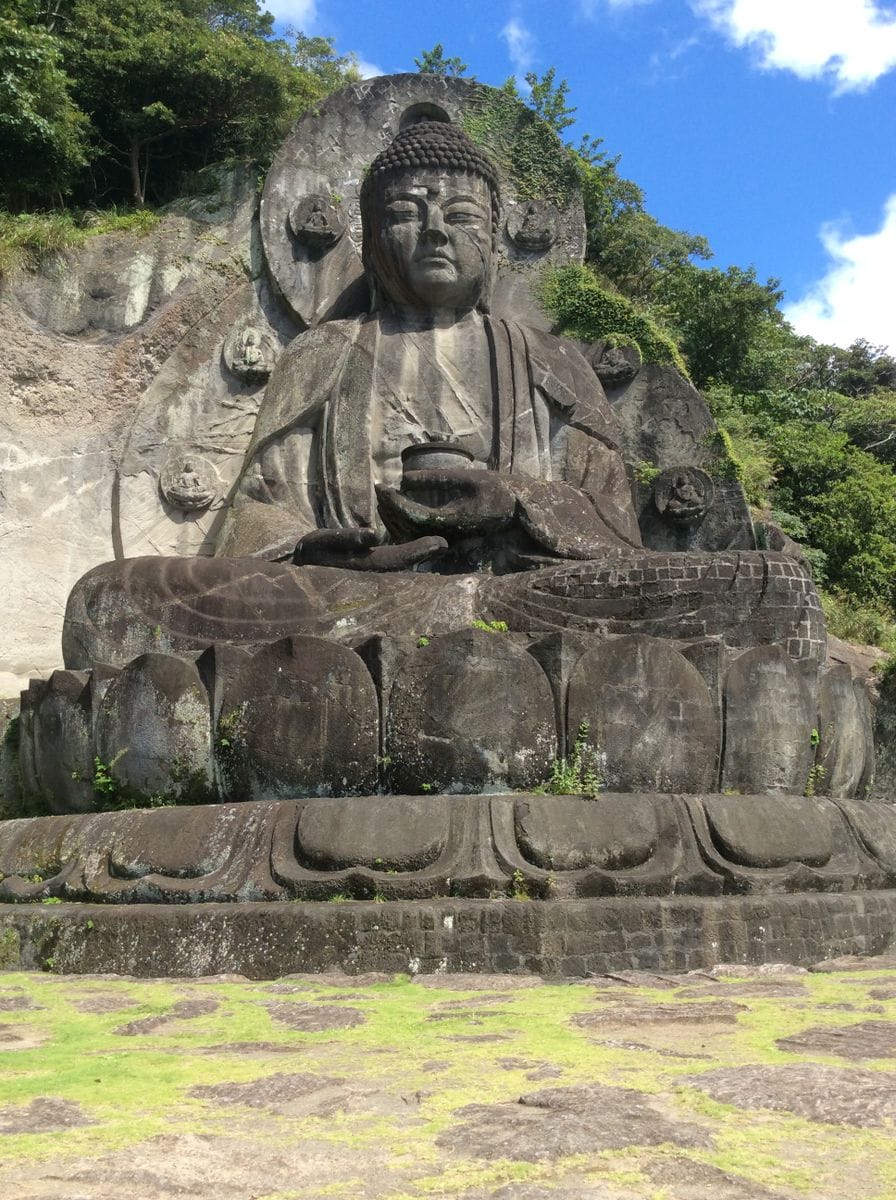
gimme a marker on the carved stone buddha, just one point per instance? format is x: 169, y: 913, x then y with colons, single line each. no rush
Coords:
x: 437, y: 586
x: 444, y: 450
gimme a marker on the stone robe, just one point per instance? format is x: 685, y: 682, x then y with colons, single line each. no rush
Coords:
x: 348, y: 396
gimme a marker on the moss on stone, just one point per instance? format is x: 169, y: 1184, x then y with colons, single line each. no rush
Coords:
x: 524, y: 147
x: 587, y: 310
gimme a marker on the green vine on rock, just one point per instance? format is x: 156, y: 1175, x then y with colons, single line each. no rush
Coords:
x: 584, y: 308
x: 524, y: 147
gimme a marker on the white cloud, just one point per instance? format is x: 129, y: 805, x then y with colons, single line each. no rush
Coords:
x: 852, y: 42
x: 520, y: 45
x: 369, y: 70
x: 299, y: 13
x: 855, y: 298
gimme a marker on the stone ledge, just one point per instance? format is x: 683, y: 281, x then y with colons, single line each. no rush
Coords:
x: 399, y: 848
x: 552, y: 938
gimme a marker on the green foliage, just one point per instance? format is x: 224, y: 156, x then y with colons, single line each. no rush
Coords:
x: 42, y: 129
x: 814, y: 778
x: 28, y: 239
x: 490, y: 626
x: 634, y: 251
x: 147, y: 90
x: 107, y: 786
x: 434, y: 62
x: 646, y: 472
x: 577, y: 774
x: 548, y: 99
x: 585, y: 309
x: 847, y: 500
x: 870, y: 623
x: 522, y: 145
x: 726, y: 323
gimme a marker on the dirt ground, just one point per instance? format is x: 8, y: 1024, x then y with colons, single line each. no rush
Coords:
x: 740, y: 1084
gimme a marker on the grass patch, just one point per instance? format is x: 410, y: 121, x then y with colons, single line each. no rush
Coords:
x: 28, y: 239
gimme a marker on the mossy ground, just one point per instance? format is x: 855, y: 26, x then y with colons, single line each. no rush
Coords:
x: 395, y: 1081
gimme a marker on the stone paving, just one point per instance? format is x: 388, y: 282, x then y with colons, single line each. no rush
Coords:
x: 743, y: 1083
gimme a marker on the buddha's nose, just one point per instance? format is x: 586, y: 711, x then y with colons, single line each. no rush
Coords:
x: 434, y: 232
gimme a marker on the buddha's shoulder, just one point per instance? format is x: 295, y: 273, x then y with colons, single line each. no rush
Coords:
x: 328, y: 338
x: 559, y: 355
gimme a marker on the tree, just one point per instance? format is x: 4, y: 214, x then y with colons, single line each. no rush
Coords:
x: 179, y: 83
x: 634, y: 251
x: 549, y: 99
x: 729, y: 325
x: 321, y: 68
x: 847, y: 501
x: 434, y: 62
x: 42, y: 130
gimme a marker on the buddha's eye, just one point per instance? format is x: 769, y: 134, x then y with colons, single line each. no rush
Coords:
x: 402, y: 212
x: 463, y: 216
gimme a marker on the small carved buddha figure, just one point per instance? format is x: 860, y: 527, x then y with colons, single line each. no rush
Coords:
x: 538, y: 461
x: 250, y: 343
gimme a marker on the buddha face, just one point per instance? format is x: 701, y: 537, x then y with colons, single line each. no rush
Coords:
x: 433, y: 239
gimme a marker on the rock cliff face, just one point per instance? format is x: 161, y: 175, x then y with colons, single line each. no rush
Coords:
x: 93, y: 342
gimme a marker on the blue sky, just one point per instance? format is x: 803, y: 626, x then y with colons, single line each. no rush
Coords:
x: 768, y: 126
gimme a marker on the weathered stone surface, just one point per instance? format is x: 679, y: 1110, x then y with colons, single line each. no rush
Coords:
x: 328, y: 154
x: 875, y: 825
x: 404, y: 847
x: 389, y: 833
x: 613, y: 832
x: 83, y: 337
x: 664, y: 422
x: 450, y: 727
x: 61, y: 734
x: 706, y: 1012
x: 771, y: 831
x: 181, y: 1010
x: 770, y: 712
x: 315, y: 1018
x: 865, y: 1039
x: 46, y: 1114
x: 558, y: 1122
x: 192, y: 413
x: 153, y: 731
x: 273, y: 1091
x: 300, y: 718
x: 114, y: 610
x: 649, y: 715
x: 269, y: 940
x: 831, y: 1095
x: 843, y: 750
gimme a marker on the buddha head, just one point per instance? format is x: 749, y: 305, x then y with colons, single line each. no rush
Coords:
x: 429, y: 207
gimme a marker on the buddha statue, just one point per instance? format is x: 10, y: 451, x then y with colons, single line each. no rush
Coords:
x: 427, y: 464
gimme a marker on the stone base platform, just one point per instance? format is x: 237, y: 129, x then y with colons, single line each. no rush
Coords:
x: 557, y: 885
x: 565, y: 938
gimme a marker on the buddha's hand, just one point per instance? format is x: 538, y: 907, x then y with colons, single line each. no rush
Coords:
x: 357, y: 550
x: 455, y: 503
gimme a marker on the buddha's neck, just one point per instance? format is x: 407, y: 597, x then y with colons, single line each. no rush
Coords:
x: 416, y: 320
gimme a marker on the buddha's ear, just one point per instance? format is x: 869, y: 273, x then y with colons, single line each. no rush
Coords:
x: 376, y: 296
